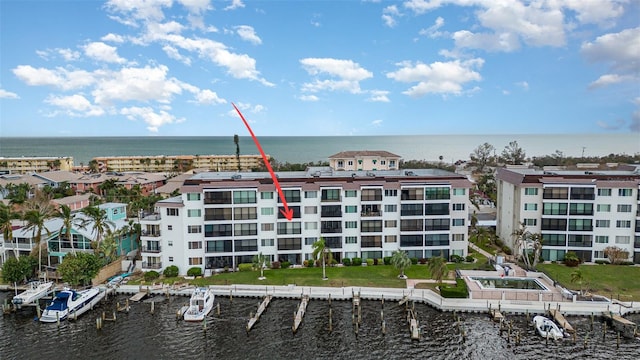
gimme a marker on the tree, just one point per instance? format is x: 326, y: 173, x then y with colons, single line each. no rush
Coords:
x: 260, y: 261
x: 578, y: 278
x: 400, y: 260
x: 236, y: 140
x: 79, y: 269
x: 481, y: 156
x: 527, y: 245
x: 69, y: 219
x: 513, y: 154
x: 97, y: 217
x: 108, y: 247
x: 616, y: 255
x: 18, y: 269
x: 438, y: 268
x: 37, y: 211
x: 6, y: 227
x: 322, y: 252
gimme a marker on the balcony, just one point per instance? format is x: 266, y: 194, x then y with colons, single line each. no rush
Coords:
x: 151, y: 266
x: 151, y: 249
x: 155, y: 233
x: 151, y: 217
x: 371, y: 213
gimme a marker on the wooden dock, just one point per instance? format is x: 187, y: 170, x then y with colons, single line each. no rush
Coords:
x: 139, y: 296
x: 626, y: 328
x: 261, y: 309
x: 414, y: 327
x: 561, y: 321
x: 496, y: 315
x: 297, y: 320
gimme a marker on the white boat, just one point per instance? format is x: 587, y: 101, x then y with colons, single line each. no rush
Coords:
x: 70, y: 304
x: 200, y: 304
x: 547, y: 328
x: 34, y: 292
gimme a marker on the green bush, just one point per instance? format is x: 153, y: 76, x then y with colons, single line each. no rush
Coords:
x: 506, y: 250
x: 194, y: 271
x: 275, y: 265
x: 387, y: 260
x: 626, y: 263
x: 458, y: 291
x: 571, y: 259
x: 334, y: 262
x: 356, y: 261
x: 469, y: 258
x: 171, y: 271
x: 414, y: 261
x: 245, y: 267
x: 369, y: 262
x: 380, y: 262
x: 346, y: 262
x: 285, y: 264
x: 602, y: 262
x: 151, y: 275
x: 456, y: 258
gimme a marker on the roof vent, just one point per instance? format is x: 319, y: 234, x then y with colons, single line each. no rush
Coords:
x: 236, y: 177
x: 371, y: 174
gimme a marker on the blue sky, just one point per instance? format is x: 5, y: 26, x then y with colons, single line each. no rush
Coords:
x: 173, y: 67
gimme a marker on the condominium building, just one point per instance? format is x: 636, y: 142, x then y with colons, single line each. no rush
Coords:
x: 179, y: 163
x: 364, y: 160
x: 580, y: 211
x: 224, y: 219
x: 29, y: 164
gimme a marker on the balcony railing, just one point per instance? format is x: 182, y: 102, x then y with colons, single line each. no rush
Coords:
x: 371, y: 213
x: 152, y: 249
x: 155, y: 233
x: 146, y: 265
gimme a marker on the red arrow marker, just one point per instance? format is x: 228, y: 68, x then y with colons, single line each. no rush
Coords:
x: 288, y: 213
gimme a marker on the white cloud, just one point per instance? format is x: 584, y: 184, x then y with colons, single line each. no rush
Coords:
x: 609, y: 79
x: 487, y: 41
x: 523, y: 85
x: 196, y: 6
x: 153, y: 119
x: 422, y: 6
x: 348, y: 74
x: 619, y: 50
x: 438, y: 77
x: 595, y: 11
x: 61, y: 78
x: 209, y: 97
x: 235, y: 4
x: 613, y: 125
x: 75, y: 105
x: 309, y: 98
x: 376, y: 123
x: 635, y: 121
x: 113, y: 38
x: 173, y: 53
x: 247, y: 33
x: 433, y: 30
x: 4, y: 94
x: 146, y: 10
x: 136, y: 84
x: 389, y: 15
x: 68, y: 54
x: 379, y: 96
x: 103, y: 52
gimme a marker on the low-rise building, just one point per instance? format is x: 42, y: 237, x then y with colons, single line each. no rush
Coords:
x: 29, y: 164
x: 177, y: 163
x: 224, y: 219
x: 364, y: 160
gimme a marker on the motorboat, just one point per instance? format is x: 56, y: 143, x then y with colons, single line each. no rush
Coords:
x: 34, y: 292
x: 70, y: 304
x: 547, y: 328
x: 200, y: 304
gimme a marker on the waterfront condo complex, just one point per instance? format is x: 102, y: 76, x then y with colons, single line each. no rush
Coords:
x: 583, y: 210
x: 222, y: 219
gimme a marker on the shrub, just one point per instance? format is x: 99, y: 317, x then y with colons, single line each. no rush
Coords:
x: 602, y: 262
x: 414, y: 261
x: 245, y: 267
x: 369, y: 262
x: 499, y: 243
x: 171, y: 271
x: 422, y: 261
x: 387, y: 260
x: 375, y: 261
x: 334, y: 262
x: 469, y: 258
x: 307, y: 263
x: 285, y: 264
x: 571, y: 259
x: 194, y: 271
x: 506, y: 250
x: 380, y: 262
x: 456, y: 258
x: 356, y: 261
x: 275, y: 265
x: 458, y: 291
x: 626, y: 263
x: 151, y: 275
x: 346, y: 262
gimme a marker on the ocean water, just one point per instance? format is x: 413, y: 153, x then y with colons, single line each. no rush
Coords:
x: 302, y: 149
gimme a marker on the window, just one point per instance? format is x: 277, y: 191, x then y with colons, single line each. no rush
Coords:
x: 603, y: 208
x: 624, y: 208
x: 459, y: 191
x: 390, y: 223
x: 531, y: 191
x: 436, y: 240
x: 371, y: 241
x: 351, y: 209
x: 350, y: 224
x: 623, y: 223
x: 351, y: 240
x: 622, y: 239
x: 266, y: 211
x: 292, y: 196
x: 581, y: 209
x: 530, y: 222
x: 392, y: 163
x: 194, y: 213
x: 530, y: 207
x: 170, y: 243
x: 457, y: 222
x: 333, y: 242
x: 580, y: 240
x: 391, y: 208
x: 411, y: 224
x: 311, y: 225
x: 310, y: 209
x: 245, y: 229
x: 411, y: 240
x: 195, y: 244
x: 195, y: 261
x: 340, y: 163
x: 391, y: 193
x: 214, y: 246
x: 436, y: 209
x: 218, y: 230
x: 170, y: 258
x: 458, y: 207
x: 390, y: 238
x: 554, y: 224
x: 603, y: 223
x: 436, y: 224
x: 554, y: 209
x: 580, y: 225
x: 310, y: 240
x: 350, y: 162
x: 351, y: 193
x: 582, y: 193
x: 371, y: 195
x: 598, y: 254
x: 266, y: 227
x: 555, y: 193
x: 266, y: 195
x: 604, y: 192
x: 330, y: 195
x: 245, y: 213
x: 289, y: 227
x: 217, y: 214
x: 289, y: 244
x: 310, y: 194
x: 554, y: 239
x: 194, y: 229
x: 371, y: 226
x: 457, y: 237
x: 266, y: 242
x: 382, y: 162
x: 245, y: 245
x: 625, y: 192
x: 172, y: 212
x: 437, y: 193
x: 244, y: 197
x: 331, y: 227
x: 193, y: 196
x: 217, y: 197
x: 411, y: 209
x: 412, y: 194
x: 169, y: 227
x: 331, y: 211
x: 602, y: 239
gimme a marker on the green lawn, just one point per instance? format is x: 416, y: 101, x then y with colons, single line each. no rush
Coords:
x: 617, y: 281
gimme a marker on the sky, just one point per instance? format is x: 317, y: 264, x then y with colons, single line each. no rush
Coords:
x: 308, y: 68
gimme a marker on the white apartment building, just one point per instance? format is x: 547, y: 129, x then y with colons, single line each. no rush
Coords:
x: 364, y: 160
x: 224, y: 219
x: 580, y: 211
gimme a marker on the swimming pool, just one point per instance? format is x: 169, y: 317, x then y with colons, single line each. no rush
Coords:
x: 515, y: 283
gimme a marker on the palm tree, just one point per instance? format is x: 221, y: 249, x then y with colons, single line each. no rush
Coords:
x: 236, y: 140
x: 260, y: 262
x: 400, y: 260
x: 108, y: 247
x: 577, y: 278
x: 69, y: 219
x: 98, y: 218
x: 37, y: 211
x: 6, y: 215
x: 321, y: 251
x: 525, y: 241
x: 437, y: 268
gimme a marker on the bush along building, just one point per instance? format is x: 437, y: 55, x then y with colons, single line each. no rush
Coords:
x: 223, y: 219
x: 584, y: 211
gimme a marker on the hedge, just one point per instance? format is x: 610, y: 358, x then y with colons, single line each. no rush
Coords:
x: 458, y: 291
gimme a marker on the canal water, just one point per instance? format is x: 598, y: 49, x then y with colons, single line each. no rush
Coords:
x: 139, y: 334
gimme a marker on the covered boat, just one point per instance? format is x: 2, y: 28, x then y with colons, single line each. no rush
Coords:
x: 200, y: 304
x: 34, y: 292
x: 547, y: 328
x: 70, y: 303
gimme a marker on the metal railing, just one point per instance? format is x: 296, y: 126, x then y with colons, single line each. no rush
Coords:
x: 152, y: 249
x: 146, y: 265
